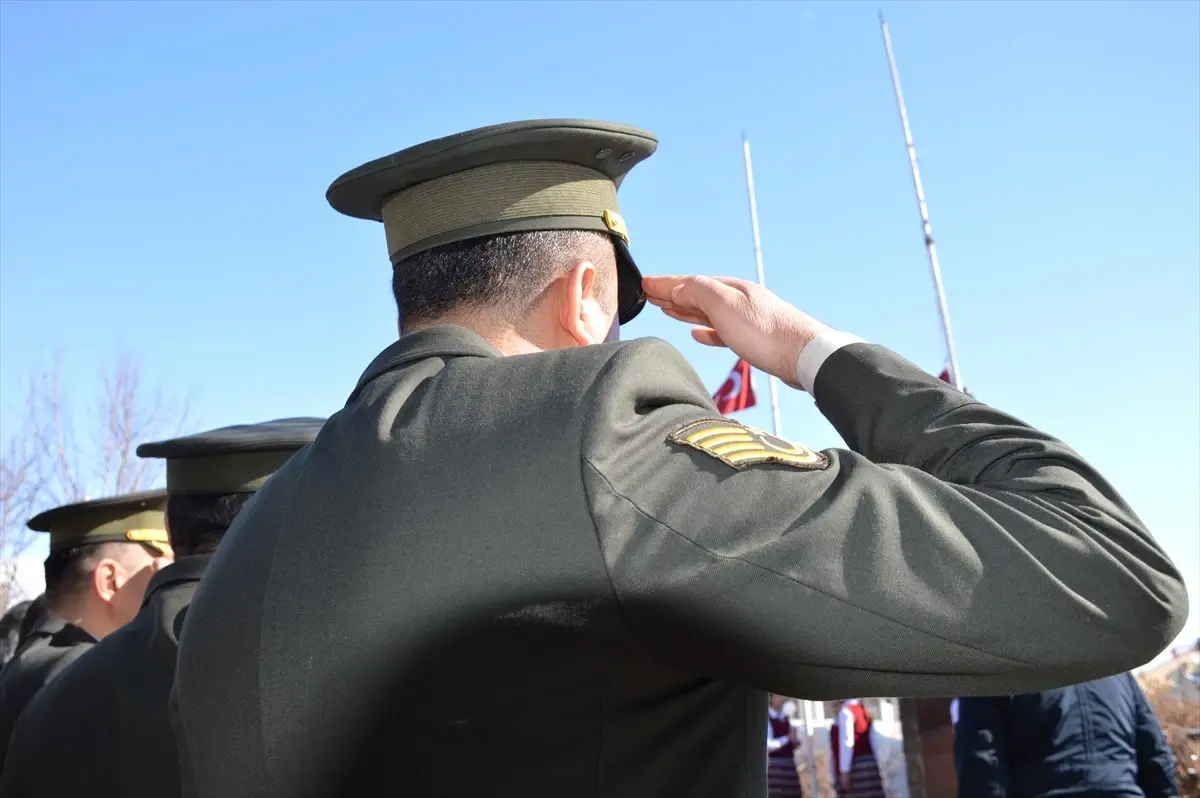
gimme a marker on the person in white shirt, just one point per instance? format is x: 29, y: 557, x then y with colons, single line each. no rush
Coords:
x: 852, y: 742
x: 783, y: 781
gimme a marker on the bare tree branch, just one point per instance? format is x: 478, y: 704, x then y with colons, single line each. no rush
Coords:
x: 22, y: 483
x: 131, y: 413
x: 43, y: 464
x: 1174, y: 694
x: 53, y: 425
x: 19, y: 487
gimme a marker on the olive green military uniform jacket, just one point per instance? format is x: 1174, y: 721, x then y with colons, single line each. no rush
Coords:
x: 537, y: 576
x: 109, y: 709
x: 47, y: 651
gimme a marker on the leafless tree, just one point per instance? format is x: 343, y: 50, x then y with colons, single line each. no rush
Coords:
x: 45, y: 464
x: 131, y: 413
x: 21, y: 482
x: 1176, y: 703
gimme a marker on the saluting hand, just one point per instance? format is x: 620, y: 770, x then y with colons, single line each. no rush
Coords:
x: 761, y: 328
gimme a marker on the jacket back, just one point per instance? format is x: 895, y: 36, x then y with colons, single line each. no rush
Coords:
x: 1099, y: 738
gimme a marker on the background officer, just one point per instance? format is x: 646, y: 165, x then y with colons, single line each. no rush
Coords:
x: 524, y: 562
x: 109, y: 709
x: 102, y: 555
x: 1099, y: 739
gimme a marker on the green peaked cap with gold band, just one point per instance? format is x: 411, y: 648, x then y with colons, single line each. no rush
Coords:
x: 235, y: 459
x: 132, y: 518
x: 547, y: 174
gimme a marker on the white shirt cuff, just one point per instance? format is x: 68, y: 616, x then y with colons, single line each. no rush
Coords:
x: 813, y: 356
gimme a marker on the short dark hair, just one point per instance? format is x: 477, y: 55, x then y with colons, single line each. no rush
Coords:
x: 506, y: 273
x: 69, y: 570
x: 196, y: 524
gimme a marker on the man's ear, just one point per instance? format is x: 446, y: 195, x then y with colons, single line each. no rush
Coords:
x: 107, y: 578
x: 580, y: 312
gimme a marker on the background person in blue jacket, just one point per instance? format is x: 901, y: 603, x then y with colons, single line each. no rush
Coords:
x: 1098, y: 739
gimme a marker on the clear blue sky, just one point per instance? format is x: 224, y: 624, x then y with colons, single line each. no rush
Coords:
x: 164, y: 167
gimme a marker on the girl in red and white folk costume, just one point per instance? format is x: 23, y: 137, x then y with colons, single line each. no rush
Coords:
x: 782, y: 779
x: 852, y: 745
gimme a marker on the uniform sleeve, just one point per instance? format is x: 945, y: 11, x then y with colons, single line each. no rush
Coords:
x: 1156, y: 762
x: 951, y: 549
x: 981, y: 749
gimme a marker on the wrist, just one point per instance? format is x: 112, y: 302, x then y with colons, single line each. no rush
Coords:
x: 799, y: 339
x: 815, y: 351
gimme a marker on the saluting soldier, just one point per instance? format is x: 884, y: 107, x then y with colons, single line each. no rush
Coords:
x: 109, y: 709
x: 524, y: 562
x: 102, y: 555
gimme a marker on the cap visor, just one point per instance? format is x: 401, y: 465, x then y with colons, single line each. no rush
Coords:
x: 630, y: 296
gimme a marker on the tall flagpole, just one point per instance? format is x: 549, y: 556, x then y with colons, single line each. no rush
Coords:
x: 774, y: 384
x: 762, y: 279
x: 934, y: 267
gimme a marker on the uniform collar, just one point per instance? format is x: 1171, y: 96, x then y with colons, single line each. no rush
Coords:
x: 444, y: 340
x: 185, y: 569
x: 53, y: 626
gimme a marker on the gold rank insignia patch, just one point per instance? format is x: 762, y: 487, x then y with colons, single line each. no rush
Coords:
x: 740, y: 446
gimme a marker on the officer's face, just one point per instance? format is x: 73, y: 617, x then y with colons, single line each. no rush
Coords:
x: 120, y: 581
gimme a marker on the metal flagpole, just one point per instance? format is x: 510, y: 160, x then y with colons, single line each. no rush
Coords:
x: 934, y: 267
x: 762, y: 280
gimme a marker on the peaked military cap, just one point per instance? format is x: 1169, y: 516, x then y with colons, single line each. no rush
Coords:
x: 134, y: 517
x: 548, y: 174
x: 235, y: 459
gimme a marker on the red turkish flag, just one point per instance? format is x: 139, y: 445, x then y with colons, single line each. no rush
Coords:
x: 737, y: 392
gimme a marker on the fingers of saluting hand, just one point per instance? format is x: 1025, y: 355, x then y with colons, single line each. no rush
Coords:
x: 693, y: 292
x: 743, y: 316
x: 703, y: 332
x: 683, y: 314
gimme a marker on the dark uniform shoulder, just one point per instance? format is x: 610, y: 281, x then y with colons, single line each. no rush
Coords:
x: 646, y: 366
x: 39, y: 661
x: 50, y: 648
x: 635, y: 379
x: 59, y: 717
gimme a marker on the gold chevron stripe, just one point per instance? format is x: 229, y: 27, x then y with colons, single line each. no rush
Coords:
x: 731, y: 448
x: 740, y: 446
x: 704, y: 434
